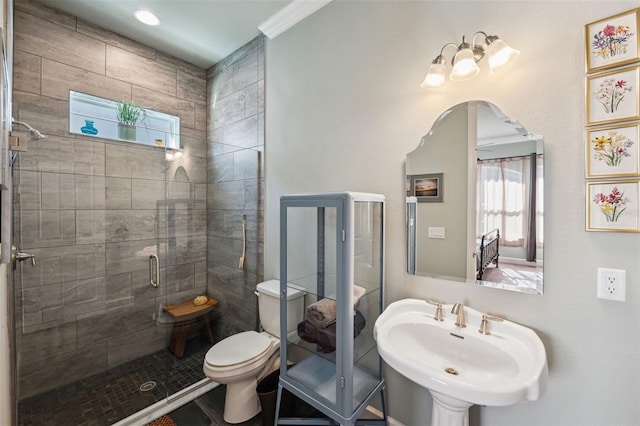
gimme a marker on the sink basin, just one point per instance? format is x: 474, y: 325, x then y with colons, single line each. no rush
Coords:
x: 503, y: 368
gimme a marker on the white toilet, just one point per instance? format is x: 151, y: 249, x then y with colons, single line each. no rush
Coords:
x: 239, y: 361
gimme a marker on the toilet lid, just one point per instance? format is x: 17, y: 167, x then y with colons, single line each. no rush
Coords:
x: 239, y: 348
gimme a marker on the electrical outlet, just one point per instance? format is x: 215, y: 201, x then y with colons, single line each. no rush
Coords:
x: 611, y: 284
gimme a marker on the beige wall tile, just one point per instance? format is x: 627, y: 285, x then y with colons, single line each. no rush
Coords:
x: 26, y: 72
x: 181, y: 65
x: 58, y: 79
x: 192, y: 88
x: 129, y: 67
x: 52, y: 41
x: 167, y: 104
x: 115, y: 39
x: 41, y: 11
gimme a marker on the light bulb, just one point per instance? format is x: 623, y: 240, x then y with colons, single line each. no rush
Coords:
x: 146, y: 17
x: 464, y: 65
x: 500, y: 54
x: 435, y: 76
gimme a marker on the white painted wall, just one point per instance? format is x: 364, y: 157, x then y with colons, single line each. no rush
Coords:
x: 343, y: 108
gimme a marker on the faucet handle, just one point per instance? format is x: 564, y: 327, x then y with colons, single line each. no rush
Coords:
x: 484, y: 324
x: 438, y: 316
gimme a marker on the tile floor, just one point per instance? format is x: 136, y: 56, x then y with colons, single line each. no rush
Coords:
x: 108, y: 397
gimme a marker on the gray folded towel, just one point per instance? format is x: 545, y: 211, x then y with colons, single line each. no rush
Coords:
x: 322, y: 313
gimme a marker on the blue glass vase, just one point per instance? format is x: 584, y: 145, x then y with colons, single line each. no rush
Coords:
x: 88, y: 128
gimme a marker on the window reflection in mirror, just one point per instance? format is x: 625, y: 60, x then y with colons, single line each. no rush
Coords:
x: 487, y: 228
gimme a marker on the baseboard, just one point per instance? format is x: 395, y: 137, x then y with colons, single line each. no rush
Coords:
x: 390, y: 420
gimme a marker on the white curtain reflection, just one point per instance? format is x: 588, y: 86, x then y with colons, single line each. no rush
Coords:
x: 503, y: 198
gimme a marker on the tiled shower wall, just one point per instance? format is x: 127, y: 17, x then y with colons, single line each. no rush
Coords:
x: 89, y: 208
x: 235, y: 135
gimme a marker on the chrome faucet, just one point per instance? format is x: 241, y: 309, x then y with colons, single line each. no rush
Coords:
x: 458, y: 310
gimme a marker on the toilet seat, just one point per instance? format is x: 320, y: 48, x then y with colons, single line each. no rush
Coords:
x: 238, y: 349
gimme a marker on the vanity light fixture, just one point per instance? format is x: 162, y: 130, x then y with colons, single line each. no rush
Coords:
x: 465, y: 61
x: 146, y: 17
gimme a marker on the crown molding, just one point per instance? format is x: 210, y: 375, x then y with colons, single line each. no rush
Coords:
x: 290, y: 15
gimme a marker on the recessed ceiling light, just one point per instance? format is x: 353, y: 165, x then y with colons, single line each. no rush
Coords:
x: 146, y: 17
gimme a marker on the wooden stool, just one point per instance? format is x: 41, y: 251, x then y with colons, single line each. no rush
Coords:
x: 185, y: 314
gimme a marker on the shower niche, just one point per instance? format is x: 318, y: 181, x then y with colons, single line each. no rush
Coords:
x: 124, y: 121
x: 332, y: 247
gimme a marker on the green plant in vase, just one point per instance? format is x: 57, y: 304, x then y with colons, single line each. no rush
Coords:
x: 128, y: 115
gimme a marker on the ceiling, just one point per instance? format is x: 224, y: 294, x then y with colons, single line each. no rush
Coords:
x: 201, y: 32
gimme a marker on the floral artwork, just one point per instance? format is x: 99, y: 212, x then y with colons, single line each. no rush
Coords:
x: 613, y: 206
x: 610, y: 93
x: 613, y: 151
x: 613, y: 41
x: 613, y: 96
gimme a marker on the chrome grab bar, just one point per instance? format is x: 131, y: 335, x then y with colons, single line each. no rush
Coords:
x: 153, y: 283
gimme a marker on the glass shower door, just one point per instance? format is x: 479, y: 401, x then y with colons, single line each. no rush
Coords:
x: 91, y: 335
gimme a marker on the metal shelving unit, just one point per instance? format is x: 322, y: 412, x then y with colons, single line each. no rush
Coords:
x: 332, y: 247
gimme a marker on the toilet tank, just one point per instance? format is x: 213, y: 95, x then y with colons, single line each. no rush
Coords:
x: 269, y: 306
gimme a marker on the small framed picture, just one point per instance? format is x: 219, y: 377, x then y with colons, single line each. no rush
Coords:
x: 613, y: 41
x: 613, y: 96
x: 428, y: 188
x: 613, y: 151
x: 613, y: 206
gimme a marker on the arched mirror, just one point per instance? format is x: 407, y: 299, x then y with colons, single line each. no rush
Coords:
x: 475, y: 191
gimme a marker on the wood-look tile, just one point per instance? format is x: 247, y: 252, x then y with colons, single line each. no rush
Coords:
x: 60, y: 264
x: 167, y: 104
x: 57, y: 191
x: 201, y: 118
x: 243, y: 133
x: 147, y: 194
x: 127, y: 348
x: 60, y: 369
x: 129, y: 256
x: 191, y: 88
x: 40, y: 10
x: 140, y: 71
x: 181, y: 65
x: 114, y: 39
x: 180, y: 278
x: 135, y: 162
x: 119, y: 290
x: 226, y: 195
x: 47, y: 342
x: 90, y: 192
x: 58, y: 79
x: 51, y: 41
x: 126, y: 225
x: 141, y: 288
x: 228, y: 110
x: 26, y: 71
x: 118, y: 193
x: 90, y: 226
x: 47, y: 228
x: 245, y: 71
x: 110, y: 324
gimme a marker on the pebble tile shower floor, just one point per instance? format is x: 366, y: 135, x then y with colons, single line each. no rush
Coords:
x: 108, y: 397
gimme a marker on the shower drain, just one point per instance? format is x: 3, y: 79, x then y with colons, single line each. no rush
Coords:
x: 147, y: 386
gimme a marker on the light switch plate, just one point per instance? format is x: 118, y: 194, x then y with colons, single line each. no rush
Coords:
x: 435, y: 232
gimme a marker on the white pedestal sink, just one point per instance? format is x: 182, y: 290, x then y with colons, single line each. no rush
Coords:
x: 460, y: 366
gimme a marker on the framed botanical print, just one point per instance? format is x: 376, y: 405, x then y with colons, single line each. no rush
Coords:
x: 613, y: 206
x: 613, y: 96
x: 613, y: 41
x: 613, y: 151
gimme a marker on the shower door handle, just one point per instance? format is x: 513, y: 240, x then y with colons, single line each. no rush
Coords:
x: 153, y: 259
x: 18, y: 256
